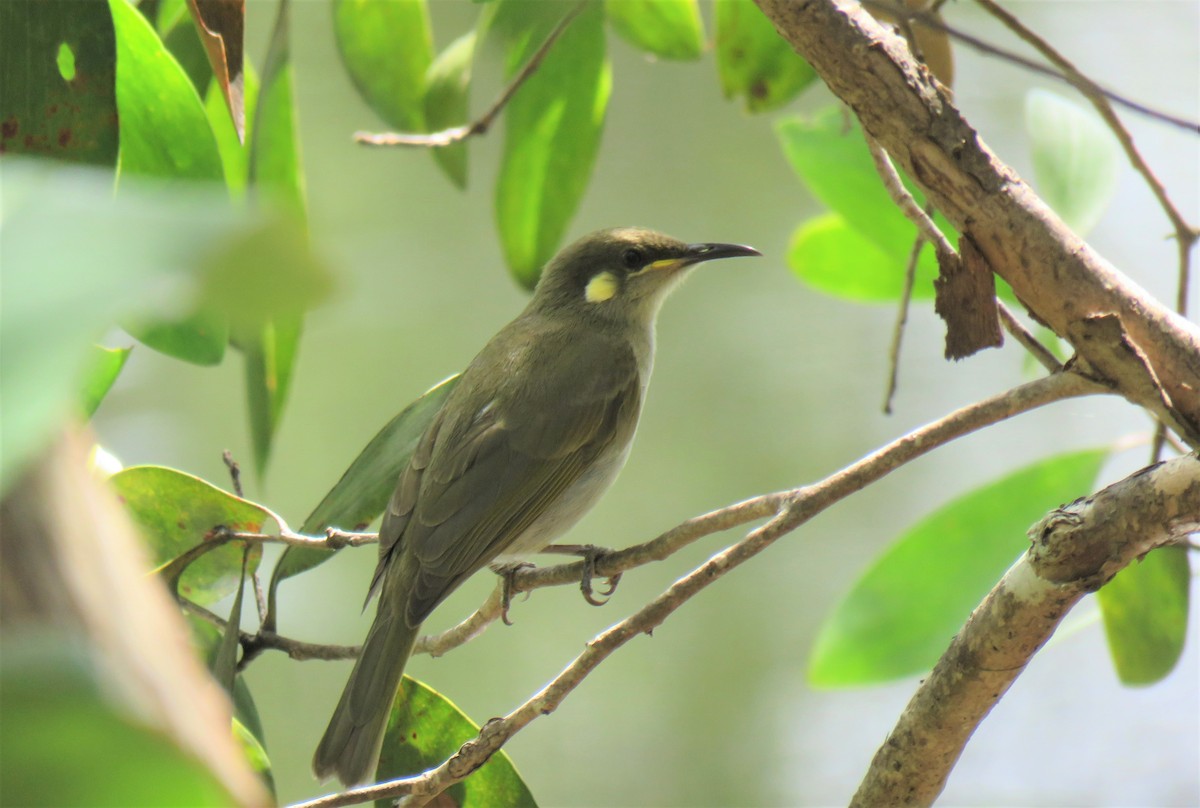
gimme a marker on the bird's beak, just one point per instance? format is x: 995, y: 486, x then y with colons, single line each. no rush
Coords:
x: 696, y: 253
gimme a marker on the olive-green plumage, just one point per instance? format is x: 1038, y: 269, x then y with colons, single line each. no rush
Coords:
x: 530, y: 437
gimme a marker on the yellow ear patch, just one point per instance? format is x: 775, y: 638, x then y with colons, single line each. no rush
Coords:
x: 601, y: 288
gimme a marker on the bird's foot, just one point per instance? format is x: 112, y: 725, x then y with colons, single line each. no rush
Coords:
x: 590, y: 553
x: 507, y: 573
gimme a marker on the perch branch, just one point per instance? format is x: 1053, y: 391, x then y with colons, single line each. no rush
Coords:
x: 790, y: 509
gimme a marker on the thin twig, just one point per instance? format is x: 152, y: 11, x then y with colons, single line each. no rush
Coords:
x: 791, y: 509
x: 333, y: 539
x: 296, y: 649
x: 1185, y: 233
x: 432, y: 644
x: 910, y: 276
x: 930, y: 20
x: 1019, y: 332
x: 929, y: 231
x: 235, y: 471
x: 905, y: 201
x: 456, y: 134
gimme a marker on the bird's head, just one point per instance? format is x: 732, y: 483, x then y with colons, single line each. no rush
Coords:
x: 622, y: 274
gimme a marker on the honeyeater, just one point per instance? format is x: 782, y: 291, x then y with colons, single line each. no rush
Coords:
x: 527, y: 441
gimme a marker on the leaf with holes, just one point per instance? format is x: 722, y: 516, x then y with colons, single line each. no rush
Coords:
x: 57, y: 80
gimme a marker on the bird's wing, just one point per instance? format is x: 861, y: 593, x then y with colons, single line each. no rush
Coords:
x: 486, y: 469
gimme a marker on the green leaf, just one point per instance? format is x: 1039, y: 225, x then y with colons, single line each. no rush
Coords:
x: 103, y: 369
x: 668, y: 28
x: 899, y: 617
x: 447, y: 86
x: 270, y: 347
x: 829, y: 255
x: 255, y: 752
x: 177, y: 512
x: 264, y: 274
x: 164, y: 130
x: 183, y: 42
x: 170, y: 14
x: 1076, y: 159
x: 424, y: 729
x: 247, y: 726
x: 224, y: 666
x: 552, y: 128
x: 199, y: 337
x: 63, y: 742
x: 42, y: 112
x: 235, y: 155
x: 207, y: 639
x: 1145, y: 609
x: 363, y: 491
x: 270, y: 355
x: 165, y: 133
x: 275, y: 166
x: 831, y: 157
x: 386, y: 46
x: 754, y: 61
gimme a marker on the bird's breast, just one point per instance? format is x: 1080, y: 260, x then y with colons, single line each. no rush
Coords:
x: 571, y: 506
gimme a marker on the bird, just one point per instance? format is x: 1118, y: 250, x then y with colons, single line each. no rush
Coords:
x: 536, y: 429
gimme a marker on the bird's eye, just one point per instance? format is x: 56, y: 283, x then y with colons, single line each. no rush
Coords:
x: 633, y: 258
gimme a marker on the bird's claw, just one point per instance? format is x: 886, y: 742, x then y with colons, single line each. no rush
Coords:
x: 507, y: 573
x: 591, y: 554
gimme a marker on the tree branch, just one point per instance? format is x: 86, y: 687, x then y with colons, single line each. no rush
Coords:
x: 1076, y: 550
x: 946, y: 254
x: 1185, y: 234
x: 790, y: 509
x: 1062, y: 280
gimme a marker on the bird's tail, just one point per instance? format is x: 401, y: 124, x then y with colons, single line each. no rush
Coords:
x: 352, y: 742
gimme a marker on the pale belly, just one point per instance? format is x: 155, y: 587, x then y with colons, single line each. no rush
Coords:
x: 563, y: 514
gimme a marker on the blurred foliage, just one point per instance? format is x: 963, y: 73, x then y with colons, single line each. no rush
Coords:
x: 64, y: 742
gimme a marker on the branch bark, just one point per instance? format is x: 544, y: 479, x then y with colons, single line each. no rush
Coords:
x: 1062, y: 280
x: 1076, y: 550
